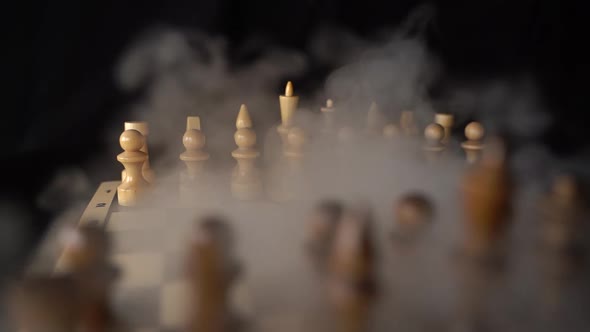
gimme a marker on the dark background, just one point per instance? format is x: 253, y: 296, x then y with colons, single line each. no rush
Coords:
x: 64, y: 90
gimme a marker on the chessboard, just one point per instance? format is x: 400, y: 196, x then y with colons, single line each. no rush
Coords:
x: 351, y: 229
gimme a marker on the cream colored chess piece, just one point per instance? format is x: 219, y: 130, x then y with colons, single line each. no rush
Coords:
x: 288, y: 103
x: 246, y: 183
x: 195, y: 157
x: 329, y: 121
x: 433, y: 147
x: 473, y: 146
x: 407, y: 124
x: 446, y: 121
x: 131, y: 188
x: 146, y: 170
x: 296, y: 181
x: 194, y: 141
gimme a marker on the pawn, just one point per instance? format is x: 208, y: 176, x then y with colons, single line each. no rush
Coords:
x: 433, y: 147
x: 246, y: 183
x: 473, y: 146
x: 134, y: 185
x: 321, y: 227
x: 194, y: 156
x: 146, y: 170
x: 209, y: 277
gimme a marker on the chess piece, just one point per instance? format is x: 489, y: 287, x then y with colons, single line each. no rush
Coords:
x: 563, y: 211
x: 328, y: 114
x: 374, y: 120
x: 407, y: 124
x: 134, y: 185
x: 411, y: 213
x: 351, y: 280
x: 391, y: 132
x: 486, y: 198
x: 246, y: 183
x: 446, y: 121
x: 146, y: 170
x: 44, y: 304
x: 433, y: 147
x: 85, y: 258
x: 209, y: 277
x: 473, y: 146
x: 194, y: 155
x: 321, y: 227
x: 288, y: 103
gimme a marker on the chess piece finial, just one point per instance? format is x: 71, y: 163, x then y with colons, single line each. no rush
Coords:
x: 474, y: 132
x: 434, y: 134
x: 194, y: 156
x: 446, y: 121
x: 134, y: 184
x: 143, y: 128
x: 407, y: 124
x: 413, y: 211
x: 288, y: 104
x: 246, y: 182
x: 374, y: 120
x: 391, y: 131
x: 193, y: 122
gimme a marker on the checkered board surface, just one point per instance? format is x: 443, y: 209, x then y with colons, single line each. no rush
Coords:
x: 149, y: 250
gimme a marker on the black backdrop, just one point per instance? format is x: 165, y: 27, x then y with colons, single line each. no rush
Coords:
x: 66, y: 51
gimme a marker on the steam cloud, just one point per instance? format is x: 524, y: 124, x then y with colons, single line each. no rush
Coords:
x: 186, y: 73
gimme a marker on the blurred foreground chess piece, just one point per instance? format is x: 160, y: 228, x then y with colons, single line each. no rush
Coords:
x: 288, y: 104
x: 351, y: 279
x: 486, y: 196
x: 446, y: 121
x: 321, y: 226
x: 246, y: 183
x: 474, y: 132
x: 328, y: 111
x: 408, y: 124
x: 564, y: 237
x: 195, y: 158
x: 134, y: 185
x: 84, y: 257
x: 210, y: 272
x: 45, y: 304
x: 412, y: 213
x: 146, y: 170
x: 433, y: 146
